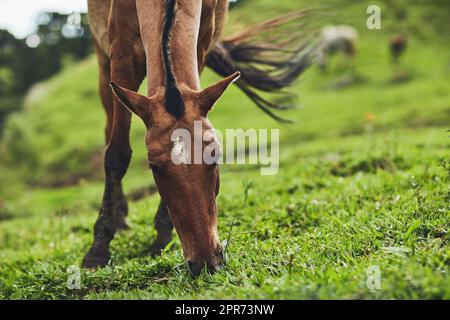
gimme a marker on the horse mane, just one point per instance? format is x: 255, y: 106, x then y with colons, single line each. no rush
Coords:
x: 174, y: 103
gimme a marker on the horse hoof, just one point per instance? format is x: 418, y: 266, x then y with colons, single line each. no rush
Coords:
x: 94, y: 260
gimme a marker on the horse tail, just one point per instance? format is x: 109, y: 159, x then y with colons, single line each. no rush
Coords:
x: 270, y: 57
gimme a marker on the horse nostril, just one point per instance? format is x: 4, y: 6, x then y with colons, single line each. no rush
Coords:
x: 215, y: 268
x: 194, y: 269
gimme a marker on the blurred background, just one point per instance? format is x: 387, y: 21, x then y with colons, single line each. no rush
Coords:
x: 51, y: 120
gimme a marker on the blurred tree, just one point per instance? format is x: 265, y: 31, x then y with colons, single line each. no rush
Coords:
x: 58, y: 38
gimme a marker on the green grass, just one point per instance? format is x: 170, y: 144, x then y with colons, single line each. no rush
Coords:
x: 364, y: 181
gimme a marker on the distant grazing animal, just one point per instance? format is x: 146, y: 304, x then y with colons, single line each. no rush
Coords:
x: 336, y: 39
x: 171, y: 42
x: 398, y: 44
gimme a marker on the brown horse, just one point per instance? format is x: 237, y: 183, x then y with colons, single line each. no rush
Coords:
x: 170, y: 42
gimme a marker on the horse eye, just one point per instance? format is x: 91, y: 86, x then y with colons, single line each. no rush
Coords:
x: 214, y: 164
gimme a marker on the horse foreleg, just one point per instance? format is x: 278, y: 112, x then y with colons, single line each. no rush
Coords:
x: 127, y: 72
x: 106, y: 95
x: 164, y: 227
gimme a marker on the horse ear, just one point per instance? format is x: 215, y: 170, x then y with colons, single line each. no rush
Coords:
x: 210, y: 95
x: 133, y: 101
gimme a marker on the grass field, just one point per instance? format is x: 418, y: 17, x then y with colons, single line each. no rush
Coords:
x: 363, y: 182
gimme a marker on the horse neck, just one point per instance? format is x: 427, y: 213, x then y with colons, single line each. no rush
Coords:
x: 170, y: 42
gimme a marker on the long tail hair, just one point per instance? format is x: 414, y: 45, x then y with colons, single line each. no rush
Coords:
x: 270, y: 57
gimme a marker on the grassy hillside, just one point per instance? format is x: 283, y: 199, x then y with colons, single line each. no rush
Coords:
x: 363, y: 182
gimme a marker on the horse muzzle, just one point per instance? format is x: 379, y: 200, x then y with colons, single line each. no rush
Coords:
x: 195, y: 268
